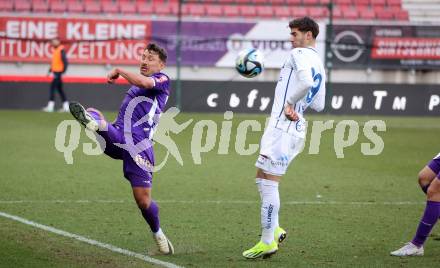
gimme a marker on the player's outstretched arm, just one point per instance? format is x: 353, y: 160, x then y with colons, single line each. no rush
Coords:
x: 132, y: 78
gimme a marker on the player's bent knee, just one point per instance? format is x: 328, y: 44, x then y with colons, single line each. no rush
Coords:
x: 434, y: 190
x: 423, y: 179
x: 425, y: 176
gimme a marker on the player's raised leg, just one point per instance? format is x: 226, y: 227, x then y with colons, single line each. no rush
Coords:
x: 83, y: 116
x: 97, y: 122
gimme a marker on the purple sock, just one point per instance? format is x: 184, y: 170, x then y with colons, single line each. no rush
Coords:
x: 95, y: 115
x: 430, y: 217
x: 112, y: 134
x: 151, y: 215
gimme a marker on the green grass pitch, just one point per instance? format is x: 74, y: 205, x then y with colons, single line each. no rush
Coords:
x: 348, y: 212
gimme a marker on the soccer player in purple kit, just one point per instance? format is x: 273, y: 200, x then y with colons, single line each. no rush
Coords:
x: 429, y: 180
x: 129, y: 138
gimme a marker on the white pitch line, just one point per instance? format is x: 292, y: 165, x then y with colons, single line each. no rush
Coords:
x: 91, y: 241
x: 357, y: 203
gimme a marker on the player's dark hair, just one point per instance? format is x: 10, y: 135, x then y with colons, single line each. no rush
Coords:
x: 305, y: 24
x: 159, y: 50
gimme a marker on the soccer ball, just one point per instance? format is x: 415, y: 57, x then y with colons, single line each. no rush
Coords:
x: 249, y: 62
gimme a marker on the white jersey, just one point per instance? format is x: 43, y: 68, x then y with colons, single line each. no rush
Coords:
x: 299, y: 59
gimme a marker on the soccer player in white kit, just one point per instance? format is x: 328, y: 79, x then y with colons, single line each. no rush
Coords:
x: 301, y: 84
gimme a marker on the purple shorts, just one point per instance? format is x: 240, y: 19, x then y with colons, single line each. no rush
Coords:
x: 137, y: 167
x: 434, y: 165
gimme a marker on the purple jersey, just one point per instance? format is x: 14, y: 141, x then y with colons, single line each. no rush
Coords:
x: 146, y: 109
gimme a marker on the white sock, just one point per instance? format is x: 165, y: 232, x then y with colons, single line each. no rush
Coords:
x: 66, y: 106
x: 269, y: 209
x: 258, y: 183
x: 158, y: 233
x: 50, y: 105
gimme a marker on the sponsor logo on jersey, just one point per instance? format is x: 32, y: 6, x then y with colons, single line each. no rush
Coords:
x: 143, y: 162
x: 300, y: 126
x: 161, y: 79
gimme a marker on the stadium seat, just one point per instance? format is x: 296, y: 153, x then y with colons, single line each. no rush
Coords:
x: 40, y: 6
x: 293, y: 2
x: 247, y: 11
x: 6, y: 5
x: 158, y: 2
x: 174, y: 8
x: 58, y: 6
x: 265, y: 2
x: 318, y: 12
x: 378, y: 8
x: 144, y: 8
x: 22, y: 6
x: 384, y: 15
x: 337, y: 13
x: 92, y: 7
x: 110, y: 9
x: 231, y: 11
x: 214, y: 10
x: 265, y: 11
x: 393, y: 8
x: 162, y: 10
x: 127, y: 7
x: 74, y: 6
x: 171, y: 9
x: 224, y: 1
x: 377, y: 2
x: 311, y: 2
x: 343, y: 2
x: 276, y: 2
x: 110, y: 6
x: 282, y: 12
x: 350, y: 13
x: 401, y: 15
x: 362, y: 2
x: 366, y: 13
x: 196, y: 10
x: 297, y: 12
x: 394, y: 3
x: 325, y: 2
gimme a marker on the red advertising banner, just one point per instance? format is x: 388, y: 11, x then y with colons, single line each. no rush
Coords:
x: 406, y: 48
x: 96, y: 41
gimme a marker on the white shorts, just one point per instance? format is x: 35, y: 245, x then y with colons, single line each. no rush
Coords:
x: 278, y: 148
